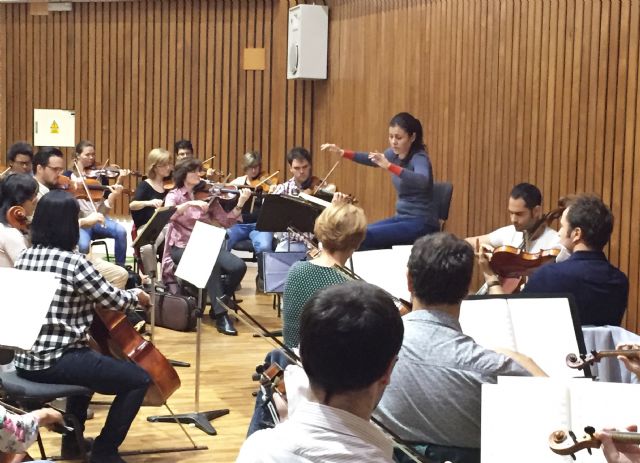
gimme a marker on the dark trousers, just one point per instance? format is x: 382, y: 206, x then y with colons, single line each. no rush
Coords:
x: 105, y: 375
x: 440, y: 454
x: 228, y: 264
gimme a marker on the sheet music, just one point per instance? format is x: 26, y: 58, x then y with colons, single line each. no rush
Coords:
x: 543, y: 330
x: 315, y: 200
x: 488, y: 322
x: 201, y: 254
x: 392, y: 276
x: 23, y: 310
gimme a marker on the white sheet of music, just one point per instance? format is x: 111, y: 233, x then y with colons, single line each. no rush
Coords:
x: 519, y: 414
x: 386, y: 268
x: 201, y: 254
x: 540, y: 328
x: 24, y: 310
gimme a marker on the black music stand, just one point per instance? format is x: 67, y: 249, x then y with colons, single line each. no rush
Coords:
x: 280, y: 212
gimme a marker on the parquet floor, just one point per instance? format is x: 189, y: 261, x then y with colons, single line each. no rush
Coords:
x: 225, y: 382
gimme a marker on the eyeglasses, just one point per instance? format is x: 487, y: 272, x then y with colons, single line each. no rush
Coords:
x: 55, y: 169
x: 23, y: 163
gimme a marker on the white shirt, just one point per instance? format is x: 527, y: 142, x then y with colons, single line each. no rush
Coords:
x: 12, y: 243
x: 508, y: 236
x: 318, y: 433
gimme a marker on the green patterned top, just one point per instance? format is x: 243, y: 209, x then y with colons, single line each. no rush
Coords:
x: 303, y: 281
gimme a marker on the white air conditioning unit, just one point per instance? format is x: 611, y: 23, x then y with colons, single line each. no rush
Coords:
x: 308, y: 40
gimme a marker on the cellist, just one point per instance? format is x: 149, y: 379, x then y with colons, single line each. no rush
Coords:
x: 61, y: 353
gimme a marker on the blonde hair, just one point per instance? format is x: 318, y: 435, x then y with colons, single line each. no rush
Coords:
x: 250, y: 159
x: 156, y: 156
x: 341, y: 227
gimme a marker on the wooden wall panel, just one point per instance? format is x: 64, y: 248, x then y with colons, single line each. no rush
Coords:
x: 142, y: 74
x: 507, y: 91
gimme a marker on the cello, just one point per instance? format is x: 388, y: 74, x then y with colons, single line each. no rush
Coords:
x: 114, y: 335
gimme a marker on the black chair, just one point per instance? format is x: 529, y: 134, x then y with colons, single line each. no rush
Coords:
x: 30, y: 395
x: 442, y: 193
x: 246, y: 246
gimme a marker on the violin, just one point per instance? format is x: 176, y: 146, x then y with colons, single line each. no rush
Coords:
x: 17, y: 218
x: 168, y: 184
x: 565, y: 442
x: 94, y: 187
x: 264, y: 181
x: 581, y: 361
x: 512, y: 262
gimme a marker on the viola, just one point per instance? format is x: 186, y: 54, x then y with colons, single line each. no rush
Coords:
x: 114, y: 335
x: 264, y: 181
x: 581, y: 361
x: 17, y: 218
x: 565, y: 442
x: 512, y: 262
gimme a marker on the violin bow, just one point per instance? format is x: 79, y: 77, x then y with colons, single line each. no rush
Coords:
x: 5, y: 171
x: 209, y: 159
x: 324, y: 180
x: 84, y: 184
x: 263, y: 181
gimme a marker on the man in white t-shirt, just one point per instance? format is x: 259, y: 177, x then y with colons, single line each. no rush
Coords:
x: 525, y: 211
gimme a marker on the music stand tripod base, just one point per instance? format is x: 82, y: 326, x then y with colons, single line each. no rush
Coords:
x: 201, y: 420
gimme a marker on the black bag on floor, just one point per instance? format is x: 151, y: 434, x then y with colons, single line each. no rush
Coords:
x: 175, y: 312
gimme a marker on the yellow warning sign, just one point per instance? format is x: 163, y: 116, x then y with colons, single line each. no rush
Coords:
x: 55, y: 128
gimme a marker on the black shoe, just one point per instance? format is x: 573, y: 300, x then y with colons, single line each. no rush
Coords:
x: 225, y: 325
x: 70, y: 449
x: 259, y: 284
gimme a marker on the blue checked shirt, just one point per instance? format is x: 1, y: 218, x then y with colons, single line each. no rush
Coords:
x: 80, y: 288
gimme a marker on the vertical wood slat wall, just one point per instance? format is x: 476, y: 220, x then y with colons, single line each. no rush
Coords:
x: 142, y: 74
x: 507, y: 90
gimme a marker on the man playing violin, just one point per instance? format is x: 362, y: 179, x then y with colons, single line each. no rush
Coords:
x: 525, y: 210
x: 350, y: 336
x: 435, y: 391
x: 599, y: 288
x: 85, y: 156
x: 183, y: 149
x: 20, y: 156
x: 261, y: 241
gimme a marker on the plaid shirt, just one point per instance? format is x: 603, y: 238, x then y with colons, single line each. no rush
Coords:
x: 290, y: 187
x: 71, y: 311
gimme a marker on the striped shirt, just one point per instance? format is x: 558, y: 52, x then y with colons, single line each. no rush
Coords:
x: 71, y: 311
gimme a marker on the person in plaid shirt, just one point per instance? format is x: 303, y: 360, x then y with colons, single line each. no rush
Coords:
x: 61, y: 353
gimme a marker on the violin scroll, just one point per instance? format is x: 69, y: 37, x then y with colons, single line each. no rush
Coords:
x: 580, y: 361
x: 565, y: 442
x: 17, y: 218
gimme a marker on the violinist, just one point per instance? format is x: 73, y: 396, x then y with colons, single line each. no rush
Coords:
x: 184, y: 149
x: 301, y: 167
x: 20, y: 157
x: 262, y: 241
x: 61, y: 353
x: 188, y: 211
x: 408, y: 163
x: 48, y: 165
x: 600, y: 289
x: 525, y: 211
x: 15, y: 190
x: 435, y: 392
x: 85, y: 156
x: 150, y: 192
x: 350, y: 336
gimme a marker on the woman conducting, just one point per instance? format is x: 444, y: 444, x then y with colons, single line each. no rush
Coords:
x: 407, y: 162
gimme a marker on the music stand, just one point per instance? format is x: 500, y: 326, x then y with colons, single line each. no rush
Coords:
x: 195, y: 266
x: 282, y: 211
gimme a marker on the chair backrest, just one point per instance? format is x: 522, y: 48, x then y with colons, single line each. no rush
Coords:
x: 6, y: 355
x: 442, y: 193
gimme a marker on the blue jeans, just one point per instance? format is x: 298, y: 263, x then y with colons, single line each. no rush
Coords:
x: 395, y: 231
x: 262, y: 241
x: 105, y: 375
x: 110, y: 229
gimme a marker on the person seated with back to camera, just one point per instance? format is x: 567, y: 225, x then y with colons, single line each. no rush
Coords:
x: 350, y: 335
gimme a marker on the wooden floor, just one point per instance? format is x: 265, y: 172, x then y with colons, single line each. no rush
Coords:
x: 225, y: 382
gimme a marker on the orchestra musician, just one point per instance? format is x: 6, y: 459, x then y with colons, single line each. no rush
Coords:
x: 19, y: 157
x: 15, y: 190
x: 349, y: 340
x: 48, y: 165
x: 85, y: 156
x: 150, y: 193
x: 303, y: 181
x: 189, y: 210
x: 434, y: 396
x: 183, y: 149
x: 412, y: 176
x: 600, y: 289
x: 261, y: 241
x: 61, y: 353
